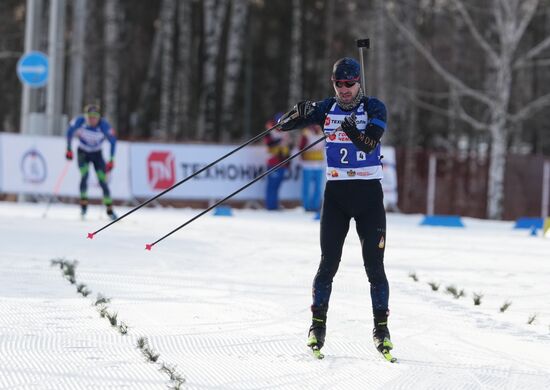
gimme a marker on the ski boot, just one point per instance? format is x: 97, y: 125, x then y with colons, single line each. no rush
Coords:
x: 111, y: 213
x: 83, y: 208
x: 316, y: 334
x: 381, y: 336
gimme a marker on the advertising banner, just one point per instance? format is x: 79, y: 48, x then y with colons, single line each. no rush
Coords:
x: 36, y: 164
x: 156, y: 167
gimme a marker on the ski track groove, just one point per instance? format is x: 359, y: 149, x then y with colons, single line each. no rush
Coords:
x: 60, y: 342
x: 226, y: 325
x: 477, y: 366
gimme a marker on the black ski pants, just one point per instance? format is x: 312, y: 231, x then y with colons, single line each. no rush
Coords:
x: 361, y: 200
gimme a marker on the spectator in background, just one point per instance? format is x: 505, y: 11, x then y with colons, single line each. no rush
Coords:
x: 278, y: 146
x: 312, y: 167
x: 91, y: 130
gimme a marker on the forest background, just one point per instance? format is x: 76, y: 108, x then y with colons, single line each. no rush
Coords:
x: 465, y: 80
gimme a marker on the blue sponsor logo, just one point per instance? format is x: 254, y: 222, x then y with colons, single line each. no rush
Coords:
x: 33, y: 167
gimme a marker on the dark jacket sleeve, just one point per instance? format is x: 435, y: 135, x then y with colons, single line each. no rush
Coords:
x: 376, y: 110
x: 370, y: 138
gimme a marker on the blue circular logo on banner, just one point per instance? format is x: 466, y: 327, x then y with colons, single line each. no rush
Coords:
x: 32, y: 69
x: 34, y: 167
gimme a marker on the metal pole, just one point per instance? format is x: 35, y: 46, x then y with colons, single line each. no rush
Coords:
x: 363, y: 43
x: 56, y: 48
x: 545, y: 189
x: 432, y: 171
x: 33, y: 8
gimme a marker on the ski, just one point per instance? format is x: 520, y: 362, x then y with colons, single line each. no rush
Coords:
x: 312, y: 343
x: 388, y: 356
x: 317, y: 354
x: 384, y: 347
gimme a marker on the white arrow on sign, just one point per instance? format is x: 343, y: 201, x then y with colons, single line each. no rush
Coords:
x: 38, y: 69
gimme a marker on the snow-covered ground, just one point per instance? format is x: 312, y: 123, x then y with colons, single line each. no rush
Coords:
x: 226, y: 301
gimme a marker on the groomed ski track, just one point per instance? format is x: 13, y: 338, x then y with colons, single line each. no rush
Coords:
x: 226, y: 301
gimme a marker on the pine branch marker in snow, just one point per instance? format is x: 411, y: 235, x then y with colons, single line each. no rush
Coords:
x: 253, y: 139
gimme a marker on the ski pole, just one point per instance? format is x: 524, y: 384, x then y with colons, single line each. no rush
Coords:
x: 150, y: 246
x: 291, y: 117
x: 57, y: 187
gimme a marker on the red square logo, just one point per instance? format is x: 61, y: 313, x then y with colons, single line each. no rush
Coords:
x: 161, y: 171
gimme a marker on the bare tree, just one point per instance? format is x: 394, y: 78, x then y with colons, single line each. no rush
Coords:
x: 295, y: 88
x: 381, y: 58
x: 150, y: 85
x: 167, y: 19
x: 510, y: 19
x: 324, y: 63
x: 111, y: 64
x: 233, y: 63
x: 93, y: 66
x: 78, y: 37
x: 182, y: 87
x: 214, y: 17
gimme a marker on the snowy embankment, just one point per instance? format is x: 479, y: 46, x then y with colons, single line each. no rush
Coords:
x: 226, y: 301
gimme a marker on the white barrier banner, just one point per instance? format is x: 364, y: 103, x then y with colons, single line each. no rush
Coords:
x: 389, y: 182
x: 36, y: 164
x: 156, y: 167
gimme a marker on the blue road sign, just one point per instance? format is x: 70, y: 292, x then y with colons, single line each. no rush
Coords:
x: 32, y: 69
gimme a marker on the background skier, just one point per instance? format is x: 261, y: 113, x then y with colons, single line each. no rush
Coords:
x: 91, y: 130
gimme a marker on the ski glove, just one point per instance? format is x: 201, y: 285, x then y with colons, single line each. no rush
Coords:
x: 109, y: 166
x: 304, y: 108
x: 300, y: 111
x: 69, y: 154
x: 367, y: 141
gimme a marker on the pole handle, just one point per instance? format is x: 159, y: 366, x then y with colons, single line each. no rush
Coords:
x: 363, y: 44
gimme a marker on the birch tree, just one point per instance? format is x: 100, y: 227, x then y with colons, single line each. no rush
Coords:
x: 381, y: 52
x: 167, y: 19
x: 295, y: 88
x: 233, y: 63
x: 214, y: 17
x: 324, y: 68
x: 76, y: 76
x: 150, y: 85
x: 182, y: 87
x: 111, y: 64
x: 499, y: 41
x: 93, y: 67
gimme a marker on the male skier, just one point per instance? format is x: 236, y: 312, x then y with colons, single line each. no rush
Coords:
x: 91, y: 130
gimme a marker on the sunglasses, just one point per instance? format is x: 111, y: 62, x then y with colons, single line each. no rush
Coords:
x: 347, y: 84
